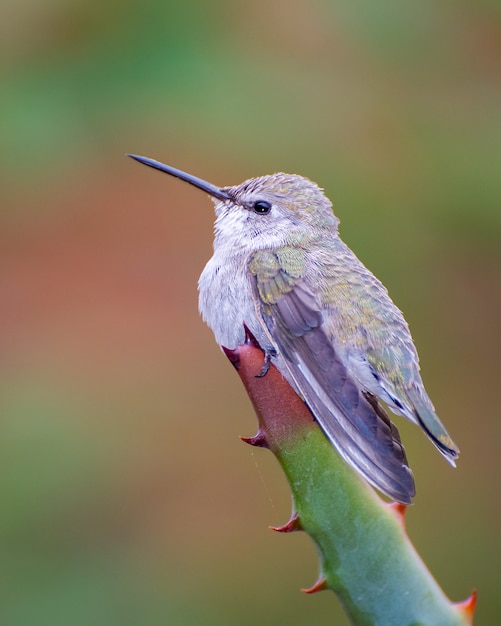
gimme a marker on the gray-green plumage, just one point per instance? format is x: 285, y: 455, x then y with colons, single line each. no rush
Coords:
x: 280, y: 268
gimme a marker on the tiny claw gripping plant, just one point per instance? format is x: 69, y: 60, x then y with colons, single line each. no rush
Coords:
x: 365, y: 555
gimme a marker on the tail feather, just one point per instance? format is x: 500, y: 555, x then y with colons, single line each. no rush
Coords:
x: 429, y: 421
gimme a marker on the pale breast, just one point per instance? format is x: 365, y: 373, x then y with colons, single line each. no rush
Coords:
x: 226, y: 303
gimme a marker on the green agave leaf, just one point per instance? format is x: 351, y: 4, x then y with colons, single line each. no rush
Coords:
x: 366, y: 557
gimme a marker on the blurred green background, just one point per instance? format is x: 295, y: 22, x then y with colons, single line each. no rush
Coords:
x: 126, y: 497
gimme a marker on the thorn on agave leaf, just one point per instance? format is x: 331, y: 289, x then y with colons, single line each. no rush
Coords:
x: 233, y: 356
x: 293, y: 525
x: 250, y: 339
x: 259, y: 440
x: 399, y: 509
x: 467, y: 607
x: 320, y: 585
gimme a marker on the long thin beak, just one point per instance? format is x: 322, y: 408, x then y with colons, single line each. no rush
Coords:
x: 217, y: 192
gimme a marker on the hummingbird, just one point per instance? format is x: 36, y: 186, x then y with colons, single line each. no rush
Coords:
x: 280, y: 269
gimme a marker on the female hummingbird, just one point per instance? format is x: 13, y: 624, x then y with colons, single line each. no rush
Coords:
x: 322, y: 318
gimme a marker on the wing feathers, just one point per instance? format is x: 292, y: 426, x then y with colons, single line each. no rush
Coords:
x: 354, y: 422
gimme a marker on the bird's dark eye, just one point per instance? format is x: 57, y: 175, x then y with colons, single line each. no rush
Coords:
x: 261, y: 207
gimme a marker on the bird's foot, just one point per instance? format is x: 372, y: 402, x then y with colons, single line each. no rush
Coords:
x: 268, y: 355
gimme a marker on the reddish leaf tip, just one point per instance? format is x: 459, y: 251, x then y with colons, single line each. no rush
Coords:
x: 293, y: 525
x: 320, y: 585
x: 259, y: 440
x: 467, y: 607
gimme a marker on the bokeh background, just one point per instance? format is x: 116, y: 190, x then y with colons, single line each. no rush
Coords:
x: 126, y: 496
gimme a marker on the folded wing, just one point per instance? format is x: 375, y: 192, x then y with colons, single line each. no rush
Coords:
x: 352, y: 419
